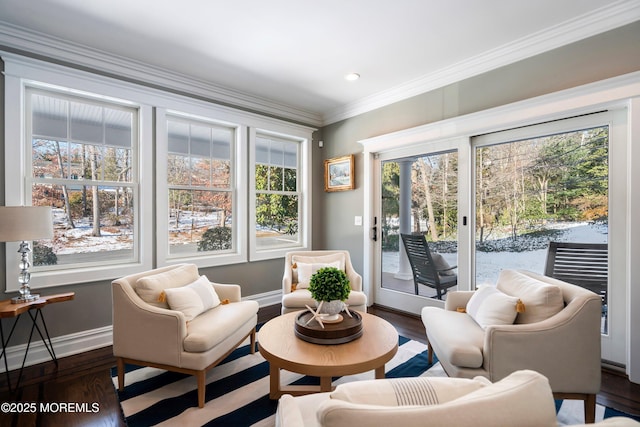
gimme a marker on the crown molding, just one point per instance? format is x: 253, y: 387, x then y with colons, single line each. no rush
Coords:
x: 612, y: 93
x: 612, y: 16
x: 32, y: 43
x: 35, y: 44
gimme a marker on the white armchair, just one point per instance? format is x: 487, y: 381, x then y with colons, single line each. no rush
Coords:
x: 296, y: 297
x: 556, y: 333
x: 147, y: 332
x: 522, y: 399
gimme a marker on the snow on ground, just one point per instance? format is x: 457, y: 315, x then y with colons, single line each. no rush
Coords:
x: 489, y: 264
x: 79, y: 239
x: 189, y: 229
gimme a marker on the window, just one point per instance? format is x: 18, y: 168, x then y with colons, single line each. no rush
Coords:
x: 214, y: 162
x: 75, y: 142
x: 201, y: 188
x: 277, y: 200
x: 86, y: 146
x: 83, y: 166
x: 278, y: 206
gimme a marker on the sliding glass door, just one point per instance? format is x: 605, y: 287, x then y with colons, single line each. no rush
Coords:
x: 418, y: 193
x: 538, y: 190
x: 555, y: 182
x: 496, y: 201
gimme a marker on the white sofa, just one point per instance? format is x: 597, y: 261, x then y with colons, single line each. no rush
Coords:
x: 557, y: 334
x: 522, y: 399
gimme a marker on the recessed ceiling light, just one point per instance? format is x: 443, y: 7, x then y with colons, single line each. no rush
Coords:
x: 352, y: 77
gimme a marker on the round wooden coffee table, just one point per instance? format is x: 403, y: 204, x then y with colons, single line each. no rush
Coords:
x: 283, y: 350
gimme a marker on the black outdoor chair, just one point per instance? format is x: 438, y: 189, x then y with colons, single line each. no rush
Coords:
x: 582, y: 264
x: 425, y: 271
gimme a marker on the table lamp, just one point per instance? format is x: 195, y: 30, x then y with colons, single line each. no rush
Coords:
x: 23, y: 224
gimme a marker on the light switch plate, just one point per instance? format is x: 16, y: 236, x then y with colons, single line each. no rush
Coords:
x: 358, y: 220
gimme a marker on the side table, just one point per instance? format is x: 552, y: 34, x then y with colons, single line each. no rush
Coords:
x: 9, y: 310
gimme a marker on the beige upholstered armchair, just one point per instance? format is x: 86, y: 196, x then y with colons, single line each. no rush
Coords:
x: 521, y: 399
x: 170, y: 319
x: 528, y: 321
x: 299, y: 265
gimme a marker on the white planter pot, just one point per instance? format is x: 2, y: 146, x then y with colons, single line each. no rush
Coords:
x: 330, y: 310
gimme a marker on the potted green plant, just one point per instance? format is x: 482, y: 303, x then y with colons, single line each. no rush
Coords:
x: 330, y: 287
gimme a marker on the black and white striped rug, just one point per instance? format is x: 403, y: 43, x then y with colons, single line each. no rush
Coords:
x: 238, y: 391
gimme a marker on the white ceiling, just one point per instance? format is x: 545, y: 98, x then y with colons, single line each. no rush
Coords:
x: 296, y: 52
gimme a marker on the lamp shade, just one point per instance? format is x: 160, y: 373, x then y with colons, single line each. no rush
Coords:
x: 18, y: 223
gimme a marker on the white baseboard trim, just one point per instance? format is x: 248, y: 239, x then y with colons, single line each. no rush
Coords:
x: 65, y: 345
x: 79, y: 342
x: 267, y: 298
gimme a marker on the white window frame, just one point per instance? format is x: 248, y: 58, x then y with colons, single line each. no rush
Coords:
x: 304, y: 190
x: 21, y: 73
x: 248, y: 124
x: 238, y: 184
x: 152, y: 222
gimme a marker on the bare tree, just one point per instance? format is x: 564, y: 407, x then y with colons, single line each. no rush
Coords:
x: 425, y: 172
x: 94, y: 192
x: 65, y: 194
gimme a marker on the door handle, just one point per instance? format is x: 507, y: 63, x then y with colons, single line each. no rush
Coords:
x: 374, y: 229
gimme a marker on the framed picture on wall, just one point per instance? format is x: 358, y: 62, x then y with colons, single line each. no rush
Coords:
x: 338, y: 174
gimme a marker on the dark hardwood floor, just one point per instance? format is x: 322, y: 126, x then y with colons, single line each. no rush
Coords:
x: 85, y: 379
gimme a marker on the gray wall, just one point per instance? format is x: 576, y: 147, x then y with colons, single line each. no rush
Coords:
x: 603, y: 56
x: 599, y: 57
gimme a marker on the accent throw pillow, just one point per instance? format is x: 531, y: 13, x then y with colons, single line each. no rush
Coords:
x: 541, y: 300
x: 149, y: 288
x: 194, y: 298
x: 441, y: 264
x: 320, y: 259
x: 489, y: 306
x: 305, y: 271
